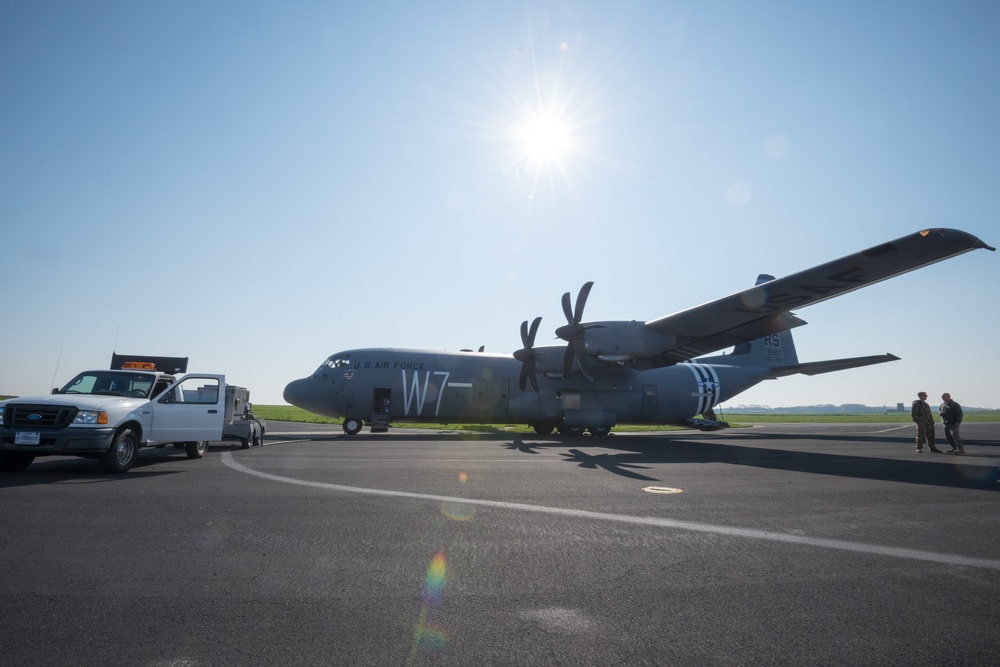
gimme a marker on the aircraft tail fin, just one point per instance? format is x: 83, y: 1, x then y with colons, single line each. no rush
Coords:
x: 774, y: 350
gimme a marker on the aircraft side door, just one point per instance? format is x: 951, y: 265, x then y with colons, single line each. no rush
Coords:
x: 192, y: 409
x: 648, y: 410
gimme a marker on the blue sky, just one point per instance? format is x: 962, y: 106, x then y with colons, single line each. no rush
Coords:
x: 257, y: 185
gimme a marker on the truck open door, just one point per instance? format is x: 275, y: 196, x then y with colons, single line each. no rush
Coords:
x: 191, y: 410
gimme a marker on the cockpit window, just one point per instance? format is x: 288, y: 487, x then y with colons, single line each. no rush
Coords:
x: 338, y: 361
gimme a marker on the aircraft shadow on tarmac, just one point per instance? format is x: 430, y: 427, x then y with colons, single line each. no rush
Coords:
x: 860, y: 437
x: 639, y: 453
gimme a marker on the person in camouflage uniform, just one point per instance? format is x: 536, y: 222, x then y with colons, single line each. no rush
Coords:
x: 920, y: 412
x: 951, y: 417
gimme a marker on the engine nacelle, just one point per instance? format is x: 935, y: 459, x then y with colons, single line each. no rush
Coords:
x: 549, y: 360
x: 623, y: 341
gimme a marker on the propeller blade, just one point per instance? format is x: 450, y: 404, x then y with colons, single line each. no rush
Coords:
x: 526, y: 355
x: 567, y: 309
x: 533, y: 331
x: 568, y: 360
x: 575, y: 316
x: 581, y: 301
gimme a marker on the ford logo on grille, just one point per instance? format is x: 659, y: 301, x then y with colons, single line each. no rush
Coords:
x: 34, y: 416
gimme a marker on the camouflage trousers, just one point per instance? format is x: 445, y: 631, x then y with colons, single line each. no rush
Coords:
x: 925, y: 433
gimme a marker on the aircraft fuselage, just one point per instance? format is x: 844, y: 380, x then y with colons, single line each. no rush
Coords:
x: 475, y: 387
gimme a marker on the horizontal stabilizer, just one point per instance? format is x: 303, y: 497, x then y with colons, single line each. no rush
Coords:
x: 819, y: 367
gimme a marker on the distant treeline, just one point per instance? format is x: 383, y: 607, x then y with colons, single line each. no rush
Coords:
x: 846, y: 408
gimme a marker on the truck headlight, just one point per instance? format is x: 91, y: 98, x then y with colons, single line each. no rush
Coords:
x: 90, y: 417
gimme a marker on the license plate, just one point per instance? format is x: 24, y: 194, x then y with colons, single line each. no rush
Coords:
x: 27, y: 438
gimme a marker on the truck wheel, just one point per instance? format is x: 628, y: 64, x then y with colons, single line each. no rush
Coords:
x: 257, y: 440
x: 245, y: 443
x: 15, y: 461
x: 124, y: 449
x: 352, y: 426
x: 196, y: 450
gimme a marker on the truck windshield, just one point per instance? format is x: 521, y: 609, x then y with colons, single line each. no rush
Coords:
x: 111, y: 383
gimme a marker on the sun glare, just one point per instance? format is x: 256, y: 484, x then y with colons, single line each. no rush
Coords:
x: 544, y: 140
x: 547, y: 134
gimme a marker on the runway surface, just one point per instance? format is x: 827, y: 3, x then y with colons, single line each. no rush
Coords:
x: 783, y: 544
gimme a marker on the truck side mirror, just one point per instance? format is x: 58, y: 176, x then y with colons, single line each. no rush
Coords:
x: 55, y: 390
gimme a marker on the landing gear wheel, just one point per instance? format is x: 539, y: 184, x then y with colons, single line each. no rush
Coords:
x: 353, y: 426
x: 543, y: 429
x: 15, y: 461
x: 196, y: 450
x: 121, y: 457
x: 600, y: 431
x: 570, y: 430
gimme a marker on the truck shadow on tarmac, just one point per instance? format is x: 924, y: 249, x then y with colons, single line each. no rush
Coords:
x: 56, y: 469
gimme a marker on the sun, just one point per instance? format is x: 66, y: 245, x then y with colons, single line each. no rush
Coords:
x: 544, y: 139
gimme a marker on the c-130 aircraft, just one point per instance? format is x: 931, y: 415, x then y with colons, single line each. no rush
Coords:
x: 614, y: 372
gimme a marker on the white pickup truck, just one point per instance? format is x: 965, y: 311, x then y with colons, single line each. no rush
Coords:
x: 109, y: 415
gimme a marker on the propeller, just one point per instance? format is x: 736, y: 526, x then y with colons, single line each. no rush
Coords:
x: 526, y: 355
x: 574, y: 317
x: 572, y: 331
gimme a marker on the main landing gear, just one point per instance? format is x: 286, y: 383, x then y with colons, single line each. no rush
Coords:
x: 547, y: 428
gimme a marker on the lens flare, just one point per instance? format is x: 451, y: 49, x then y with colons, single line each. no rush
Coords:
x: 434, y: 581
x: 458, y: 511
x: 432, y: 637
x: 427, y: 634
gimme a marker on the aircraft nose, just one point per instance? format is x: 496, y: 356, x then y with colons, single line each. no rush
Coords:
x: 297, y: 393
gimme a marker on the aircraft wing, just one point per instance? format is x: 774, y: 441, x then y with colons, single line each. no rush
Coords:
x: 765, y: 309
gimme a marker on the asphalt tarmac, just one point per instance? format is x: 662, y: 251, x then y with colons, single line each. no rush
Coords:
x: 787, y: 544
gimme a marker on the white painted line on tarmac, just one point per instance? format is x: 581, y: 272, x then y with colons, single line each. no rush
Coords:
x: 894, y: 428
x: 730, y: 531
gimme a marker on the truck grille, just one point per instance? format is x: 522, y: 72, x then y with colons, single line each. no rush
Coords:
x: 38, y: 416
